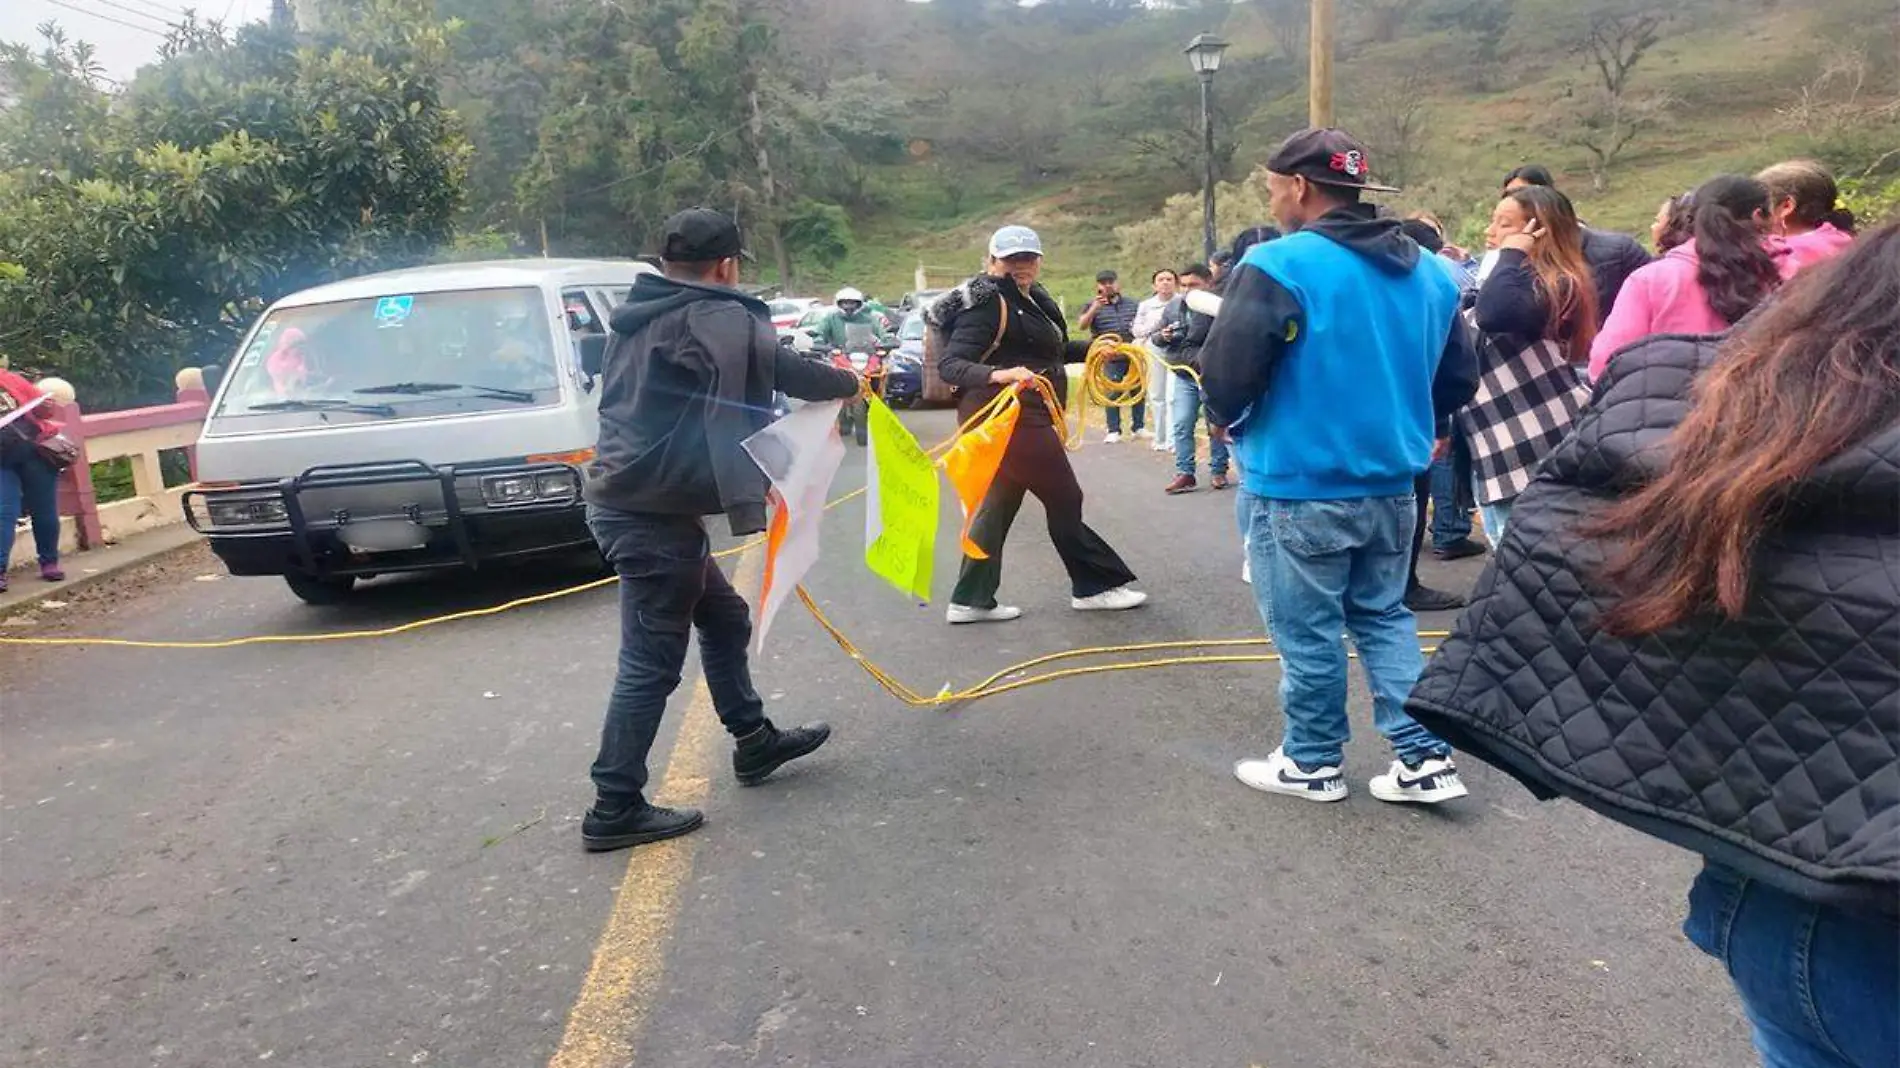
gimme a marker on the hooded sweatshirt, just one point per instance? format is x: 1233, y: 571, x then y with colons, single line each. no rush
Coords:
x: 1818, y: 245
x: 688, y: 374
x: 1666, y: 297
x: 1334, y: 359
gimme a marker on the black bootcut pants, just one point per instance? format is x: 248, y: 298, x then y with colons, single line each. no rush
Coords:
x: 1037, y: 463
x: 669, y: 585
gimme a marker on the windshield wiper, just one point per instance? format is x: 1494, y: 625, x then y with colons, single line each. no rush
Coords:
x: 519, y: 396
x: 322, y: 404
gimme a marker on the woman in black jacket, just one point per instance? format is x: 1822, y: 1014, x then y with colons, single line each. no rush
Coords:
x: 1034, y: 340
x: 1694, y: 629
x: 1537, y: 310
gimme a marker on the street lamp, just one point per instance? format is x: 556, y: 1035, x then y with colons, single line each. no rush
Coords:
x: 1204, y: 54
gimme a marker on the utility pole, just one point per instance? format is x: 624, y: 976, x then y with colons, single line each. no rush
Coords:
x: 1319, y: 101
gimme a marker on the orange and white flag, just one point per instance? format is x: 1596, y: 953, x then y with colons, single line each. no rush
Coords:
x: 800, y: 455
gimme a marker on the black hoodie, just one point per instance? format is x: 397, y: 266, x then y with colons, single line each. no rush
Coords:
x: 1259, y: 319
x: 688, y: 374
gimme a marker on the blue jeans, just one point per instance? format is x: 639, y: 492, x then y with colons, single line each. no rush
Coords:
x: 1327, y: 567
x: 1451, y: 503
x: 1117, y: 372
x: 1187, y: 413
x: 669, y: 586
x: 1819, y: 985
x: 29, y: 484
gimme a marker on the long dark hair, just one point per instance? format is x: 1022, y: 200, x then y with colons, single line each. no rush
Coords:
x: 1736, y: 270
x: 1564, y: 278
x: 1816, y: 197
x: 1815, y: 373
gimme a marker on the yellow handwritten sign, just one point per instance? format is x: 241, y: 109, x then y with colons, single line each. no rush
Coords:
x: 900, y: 518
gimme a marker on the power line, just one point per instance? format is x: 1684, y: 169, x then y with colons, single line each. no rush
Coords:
x: 135, y: 11
x: 165, y: 9
x: 107, y: 18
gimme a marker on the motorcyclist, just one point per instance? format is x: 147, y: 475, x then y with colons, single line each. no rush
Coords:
x: 853, y: 326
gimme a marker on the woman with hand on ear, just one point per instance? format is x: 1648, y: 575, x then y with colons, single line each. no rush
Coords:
x: 1537, y: 310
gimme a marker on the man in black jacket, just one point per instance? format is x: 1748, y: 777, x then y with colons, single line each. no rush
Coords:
x: 1613, y: 257
x: 1183, y: 332
x: 689, y: 373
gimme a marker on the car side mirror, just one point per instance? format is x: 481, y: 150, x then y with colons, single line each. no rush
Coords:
x: 593, y: 353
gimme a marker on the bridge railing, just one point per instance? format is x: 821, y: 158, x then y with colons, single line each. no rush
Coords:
x: 137, y: 435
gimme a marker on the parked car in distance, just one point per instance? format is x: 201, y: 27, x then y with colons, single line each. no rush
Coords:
x: 921, y: 299
x: 904, y: 370
x: 787, y: 311
x: 804, y: 329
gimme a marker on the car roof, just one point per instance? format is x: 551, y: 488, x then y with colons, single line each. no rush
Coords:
x: 486, y: 274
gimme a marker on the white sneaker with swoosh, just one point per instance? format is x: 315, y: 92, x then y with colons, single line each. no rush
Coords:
x: 1281, y: 774
x: 1427, y: 783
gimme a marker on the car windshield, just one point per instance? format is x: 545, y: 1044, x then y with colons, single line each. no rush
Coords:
x: 412, y: 353
x: 913, y: 329
x: 787, y: 307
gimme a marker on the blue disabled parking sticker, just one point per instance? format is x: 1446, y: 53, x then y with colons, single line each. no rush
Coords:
x: 391, y: 311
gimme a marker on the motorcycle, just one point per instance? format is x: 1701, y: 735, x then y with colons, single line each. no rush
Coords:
x: 854, y: 417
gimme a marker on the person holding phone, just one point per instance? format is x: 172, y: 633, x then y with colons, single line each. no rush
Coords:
x: 1112, y: 313
x: 1537, y: 311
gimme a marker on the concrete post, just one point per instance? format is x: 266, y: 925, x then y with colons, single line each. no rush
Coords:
x: 76, y: 495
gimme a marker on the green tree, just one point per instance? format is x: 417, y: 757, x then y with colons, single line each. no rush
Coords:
x: 235, y: 171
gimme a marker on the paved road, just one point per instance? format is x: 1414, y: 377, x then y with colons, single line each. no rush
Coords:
x: 364, y: 853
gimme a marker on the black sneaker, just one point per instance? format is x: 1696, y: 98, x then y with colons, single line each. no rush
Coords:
x: 1426, y: 599
x: 603, y: 829
x: 1462, y: 549
x: 767, y: 749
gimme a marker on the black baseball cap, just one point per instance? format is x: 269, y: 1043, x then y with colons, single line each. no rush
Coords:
x: 702, y: 235
x: 1327, y: 157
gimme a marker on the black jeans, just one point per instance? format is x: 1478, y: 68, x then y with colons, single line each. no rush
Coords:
x: 669, y: 585
x: 1037, y: 463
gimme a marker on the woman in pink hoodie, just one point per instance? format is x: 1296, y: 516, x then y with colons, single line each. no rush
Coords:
x: 1804, y: 209
x: 1707, y: 284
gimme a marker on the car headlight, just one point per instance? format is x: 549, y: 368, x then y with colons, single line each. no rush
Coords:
x: 246, y: 511
x: 530, y: 487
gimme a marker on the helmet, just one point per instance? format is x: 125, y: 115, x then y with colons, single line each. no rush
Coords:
x: 847, y: 293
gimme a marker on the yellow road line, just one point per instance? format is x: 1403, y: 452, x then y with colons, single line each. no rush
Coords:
x: 619, y: 991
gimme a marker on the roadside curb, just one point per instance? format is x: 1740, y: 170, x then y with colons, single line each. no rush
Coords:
x: 93, y: 567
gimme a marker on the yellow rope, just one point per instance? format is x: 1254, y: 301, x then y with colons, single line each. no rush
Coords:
x: 990, y: 687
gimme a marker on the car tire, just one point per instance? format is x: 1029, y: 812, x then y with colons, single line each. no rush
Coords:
x: 312, y: 590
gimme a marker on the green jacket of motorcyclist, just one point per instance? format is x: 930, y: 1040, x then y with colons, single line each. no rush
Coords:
x: 853, y: 327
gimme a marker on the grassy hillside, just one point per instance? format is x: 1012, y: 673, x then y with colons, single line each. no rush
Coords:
x: 1752, y: 84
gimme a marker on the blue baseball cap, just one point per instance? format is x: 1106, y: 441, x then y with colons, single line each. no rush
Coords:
x: 1014, y: 241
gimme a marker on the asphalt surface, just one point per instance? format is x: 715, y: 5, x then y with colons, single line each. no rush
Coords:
x: 366, y: 852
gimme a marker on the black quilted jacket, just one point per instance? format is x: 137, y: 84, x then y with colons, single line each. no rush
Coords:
x: 1765, y: 743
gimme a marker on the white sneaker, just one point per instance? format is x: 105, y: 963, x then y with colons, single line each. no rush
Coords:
x: 1278, y: 774
x: 1119, y: 599
x: 1432, y: 781
x: 1114, y: 438
x: 1246, y: 570
x: 963, y: 613
x: 1162, y: 446
x: 1144, y: 433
